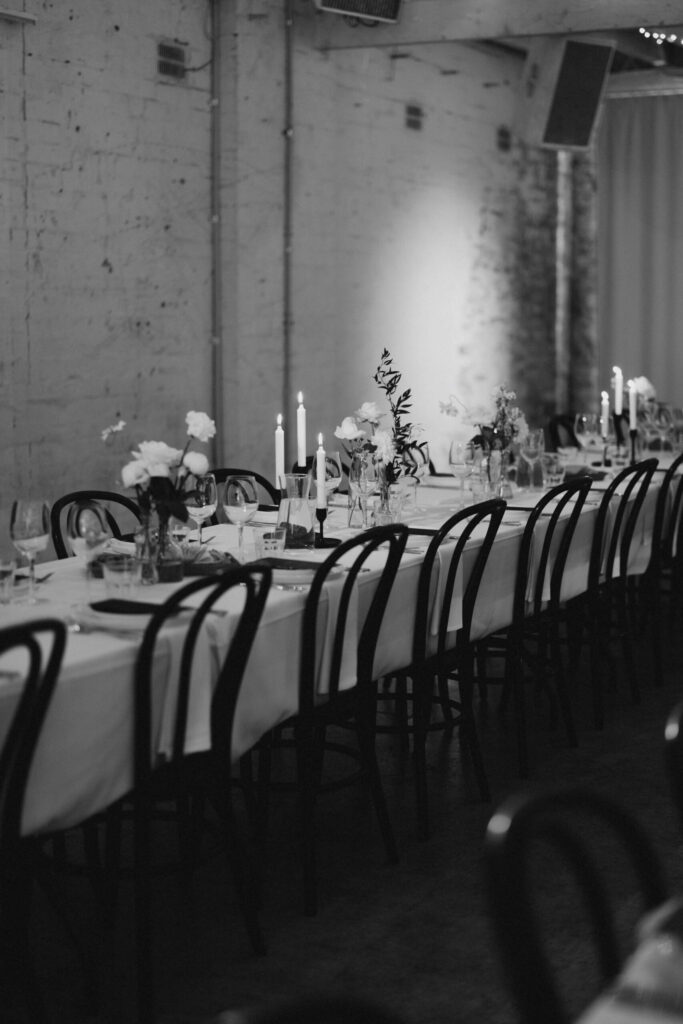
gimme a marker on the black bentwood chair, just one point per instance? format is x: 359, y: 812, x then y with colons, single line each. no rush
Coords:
x: 325, y: 703
x: 41, y: 643
x: 192, y: 779
x: 269, y: 494
x: 93, y: 503
x: 660, y: 578
x: 441, y: 655
x: 532, y: 645
x: 605, y: 610
x: 530, y: 839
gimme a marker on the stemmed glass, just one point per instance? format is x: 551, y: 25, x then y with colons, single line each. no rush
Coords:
x: 531, y: 449
x: 201, y: 502
x: 333, y: 472
x: 29, y: 530
x: 240, y: 502
x: 587, y: 431
x: 87, y: 530
x: 461, y: 462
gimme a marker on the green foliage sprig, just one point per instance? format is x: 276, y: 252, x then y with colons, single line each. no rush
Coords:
x: 388, y: 379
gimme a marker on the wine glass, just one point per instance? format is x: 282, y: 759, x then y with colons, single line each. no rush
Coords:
x: 333, y: 472
x: 531, y: 449
x: 240, y: 503
x: 587, y: 431
x: 29, y: 530
x: 461, y: 462
x: 87, y: 529
x: 201, y: 502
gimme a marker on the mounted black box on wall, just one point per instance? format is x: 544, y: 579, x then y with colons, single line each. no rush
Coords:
x: 372, y: 10
x: 561, y: 92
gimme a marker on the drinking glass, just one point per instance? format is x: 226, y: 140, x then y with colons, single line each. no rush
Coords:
x: 531, y: 449
x: 333, y: 472
x: 461, y: 462
x: 29, y: 529
x: 240, y: 502
x: 587, y: 431
x: 87, y: 529
x: 201, y: 502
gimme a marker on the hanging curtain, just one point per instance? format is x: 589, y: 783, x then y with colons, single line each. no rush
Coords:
x: 640, y: 241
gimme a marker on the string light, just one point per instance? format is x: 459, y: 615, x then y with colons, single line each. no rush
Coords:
x: 660, y: 37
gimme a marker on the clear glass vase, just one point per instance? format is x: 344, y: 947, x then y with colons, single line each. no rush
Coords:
x: 169, y: 554
x: 146, y: 545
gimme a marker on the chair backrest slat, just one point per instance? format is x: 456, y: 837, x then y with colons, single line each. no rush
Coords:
x: 43, y: 642
x: 253, y: 583
x: 465, y: 522
x: 392, y: 539
x: 628, y: 490
x: 105, y: 499
x: 552, y: 506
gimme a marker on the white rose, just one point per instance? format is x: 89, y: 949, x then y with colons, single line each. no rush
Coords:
x: 384, y: 445
x: 134, y: 473
x: 158, y: 453
x: 369, y: 413
x: 644, y: 388
x: 349, y: 430
x: 196, y: 463
x: 200, y: 426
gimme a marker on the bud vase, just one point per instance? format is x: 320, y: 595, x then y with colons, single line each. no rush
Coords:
x: 146, y: 544
x: 169, y: 555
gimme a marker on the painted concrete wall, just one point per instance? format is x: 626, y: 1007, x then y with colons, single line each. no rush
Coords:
x: 438, y: 244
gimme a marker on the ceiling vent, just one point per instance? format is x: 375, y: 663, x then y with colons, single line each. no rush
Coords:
x: 370, y: 10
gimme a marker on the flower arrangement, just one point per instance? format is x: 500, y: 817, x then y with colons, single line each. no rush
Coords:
x: 507, y: 424
x: 645, y: 391
x: 392, y: 448
x: 497, y: 429
x: 159, y: 473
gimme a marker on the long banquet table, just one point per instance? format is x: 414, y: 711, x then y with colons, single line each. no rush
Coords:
x: 84, y: 757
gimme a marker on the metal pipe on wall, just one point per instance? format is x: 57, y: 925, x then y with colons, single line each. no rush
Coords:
x: 288, y: 134
x: 217, y: 392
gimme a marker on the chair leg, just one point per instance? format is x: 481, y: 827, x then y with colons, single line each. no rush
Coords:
x: 468, y: 725
x: 306, y: 774
x: 422, y: 695
x: 365, y: 722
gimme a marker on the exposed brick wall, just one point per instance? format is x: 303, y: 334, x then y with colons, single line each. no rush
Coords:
x: 437, y: 244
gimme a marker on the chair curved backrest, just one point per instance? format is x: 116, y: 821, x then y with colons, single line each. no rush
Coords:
x: 464, y: 523
x: 623, y: 499
x: 43, y: 642
x: 393, y: 539
x: 251, y: 583
x: 269, y: 492
x: 548, y: 564
x: 107, y: 500
x: 667, y: 518
x: 573, y: 823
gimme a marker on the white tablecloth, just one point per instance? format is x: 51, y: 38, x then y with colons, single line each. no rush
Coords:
x: 84, y: 758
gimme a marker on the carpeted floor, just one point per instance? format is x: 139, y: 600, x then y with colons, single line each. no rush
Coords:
x: 415, y: 936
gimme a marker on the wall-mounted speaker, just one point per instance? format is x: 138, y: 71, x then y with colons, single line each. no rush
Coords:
x: 372, y: 10
x: 561, y: 91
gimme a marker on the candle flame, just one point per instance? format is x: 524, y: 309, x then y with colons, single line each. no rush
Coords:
x: 616, y: 369
x: 320, y: 440
x: 300, y: 398
x: 279, y: 419
x: 604, y: 396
